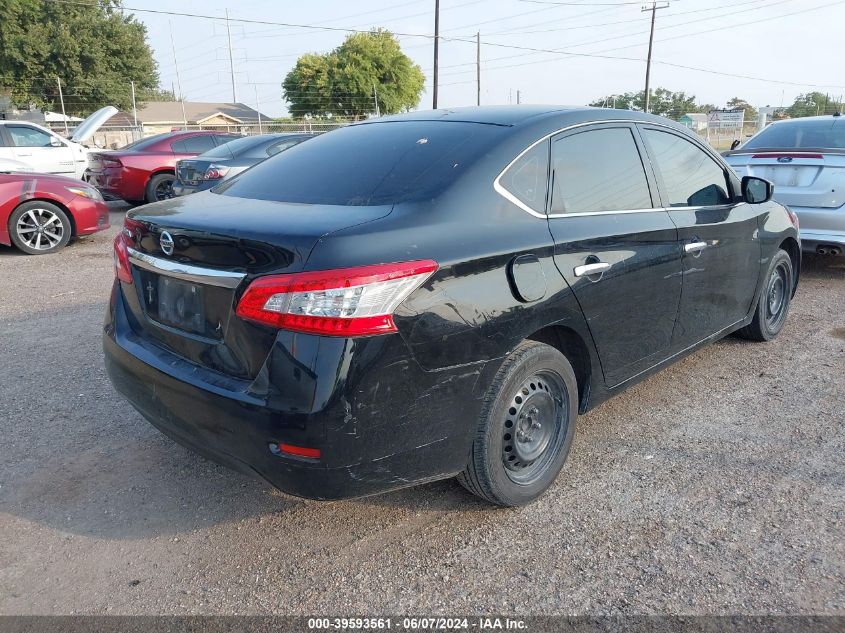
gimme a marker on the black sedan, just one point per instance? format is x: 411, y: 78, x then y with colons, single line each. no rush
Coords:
x: 227, y: 160
x: 343, y: 323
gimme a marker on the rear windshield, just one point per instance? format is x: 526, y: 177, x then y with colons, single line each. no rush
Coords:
x: 233, y: 147
x: 827, y: 133
x: 369, y: 164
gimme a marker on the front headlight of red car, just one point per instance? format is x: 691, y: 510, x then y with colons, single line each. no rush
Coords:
x: 86, y: 192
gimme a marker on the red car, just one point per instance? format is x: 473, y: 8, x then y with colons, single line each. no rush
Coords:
x: 39, y: 213
x: 144, y: 171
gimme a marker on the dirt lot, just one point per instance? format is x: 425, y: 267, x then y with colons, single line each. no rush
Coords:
x: 716, y: 486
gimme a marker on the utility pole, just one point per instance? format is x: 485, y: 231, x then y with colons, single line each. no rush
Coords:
x: 258, y: 108
x: 653, y: 8
x: 134, y: 108
x: 178, y: 81
x: 436, y: 50
x: 62, y: 101
x: 517, y: 97
x: 375, y: 100
x: 478, y: 67
x: 231, y: 59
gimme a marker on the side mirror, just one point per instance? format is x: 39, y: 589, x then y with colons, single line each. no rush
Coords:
x: 735, y: 144
x: 756, y: 190
x: 55, y: 142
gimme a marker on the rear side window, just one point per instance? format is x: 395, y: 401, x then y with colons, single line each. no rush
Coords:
x: 368, y: 164
x: 193, y: 145
x: 280, y: 146
x: 598, y: 170
x: 822, y: 134
x: 527, y: 179
x: 690, y: 176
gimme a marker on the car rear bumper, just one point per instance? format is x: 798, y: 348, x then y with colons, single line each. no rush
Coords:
x: 379, y: 420
x: 820, y: 227
x: 117, y: 183
x: 182, y: 189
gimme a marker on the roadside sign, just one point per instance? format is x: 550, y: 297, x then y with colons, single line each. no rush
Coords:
x: 726, y: 119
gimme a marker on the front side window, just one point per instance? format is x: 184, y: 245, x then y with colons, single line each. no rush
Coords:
x: 527, y: 179
x: 691, y: 178
x: 25, y: 136
x: 598, y: 170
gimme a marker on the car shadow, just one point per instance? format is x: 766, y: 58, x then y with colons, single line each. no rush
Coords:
x: 79, y: 459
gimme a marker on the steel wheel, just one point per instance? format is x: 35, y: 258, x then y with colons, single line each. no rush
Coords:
x: 535, y: 427
x: 525, y: 428
x: 40, y: 229
x: 775, y: 299
x: 773, y: 304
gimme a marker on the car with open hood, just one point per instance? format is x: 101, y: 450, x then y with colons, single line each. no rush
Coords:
x: 44, y: 151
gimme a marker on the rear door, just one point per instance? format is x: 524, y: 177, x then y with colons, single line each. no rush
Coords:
x: 717, y: 230
x: 34, y: 147
x: 615, y: 246
x: 194, y: 144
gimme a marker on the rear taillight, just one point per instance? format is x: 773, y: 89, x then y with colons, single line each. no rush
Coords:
x: 110, y: 162
x: 345, y: 302
x: 122, y: 269
x: 793, y: 217
x: 215, y: 172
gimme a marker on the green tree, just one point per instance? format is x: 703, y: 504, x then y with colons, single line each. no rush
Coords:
x: 348, y: 80
x: 809, y: 104
x: 94, y: 49
x: 750, y: 111
x: 664, y: 102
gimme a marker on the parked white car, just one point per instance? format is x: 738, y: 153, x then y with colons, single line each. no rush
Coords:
x: 8, y: 165
x: 46, y: 152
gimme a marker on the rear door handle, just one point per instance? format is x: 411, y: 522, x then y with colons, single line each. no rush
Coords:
x: 591, y: 269
x: 695, y: 247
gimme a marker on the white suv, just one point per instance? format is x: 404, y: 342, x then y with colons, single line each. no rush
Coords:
x: 47, y: 152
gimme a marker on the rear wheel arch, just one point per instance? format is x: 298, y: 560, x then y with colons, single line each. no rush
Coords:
x: 569, y: 343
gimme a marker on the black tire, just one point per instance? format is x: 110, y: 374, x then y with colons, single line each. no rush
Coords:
x: 39, y: 228
x: 773, y: 304
x: 160, y: 187
x: 534, y: 386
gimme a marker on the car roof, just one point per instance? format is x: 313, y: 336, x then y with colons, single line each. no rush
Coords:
x: 524, y: 115
x: 834, y: 119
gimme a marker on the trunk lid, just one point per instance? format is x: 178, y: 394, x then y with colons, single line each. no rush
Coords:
x: 191, y: 171
x: 193, y: 257
x: 802, y: 178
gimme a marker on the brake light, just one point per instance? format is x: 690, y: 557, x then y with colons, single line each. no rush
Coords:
x: 344, y: 302
x: 110, y: 162
x: 215, y: 172
x: 122, y: 269
x: 297, y: 451
x: 793, y: 217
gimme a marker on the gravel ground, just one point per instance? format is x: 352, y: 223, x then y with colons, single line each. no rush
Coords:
x: 716, y: 486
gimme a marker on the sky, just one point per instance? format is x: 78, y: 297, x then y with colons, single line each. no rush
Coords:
x: 765, y: 51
